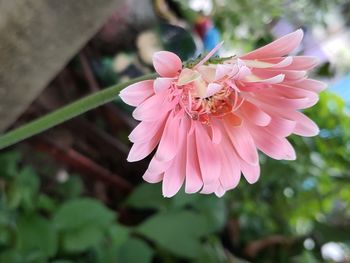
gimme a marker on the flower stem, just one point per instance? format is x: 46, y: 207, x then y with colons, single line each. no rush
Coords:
x: 66, y: 113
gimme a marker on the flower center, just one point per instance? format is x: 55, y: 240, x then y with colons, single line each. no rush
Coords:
x: 218, y: 105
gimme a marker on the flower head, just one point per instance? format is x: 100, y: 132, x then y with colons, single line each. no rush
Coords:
x: 210, y: 118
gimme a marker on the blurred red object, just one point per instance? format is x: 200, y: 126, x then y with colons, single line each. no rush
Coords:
x: 202, y: 25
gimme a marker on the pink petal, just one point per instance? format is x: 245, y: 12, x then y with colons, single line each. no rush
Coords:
x: 289, y: 75
x: 209, y: 162
x: 230, y: 172
x: 144, y: 131
x: 220, y: 191
x: 303, y: 63
x: 187, y: 76
x: 137, y: 93
x: 201, y: 87
x: 253, y: 86
x: 304, y: 125
x: 275, y: 147
x: 254, y: 114
x: 175, y: 175
x: 270, y: 80
x: 167, y: 64
x: 158, y: 167
x: 280, y: 127
x: 223, y: 70
x: 194, y: 180
x: 154, y: 108
x: 277, y: 48
x: 243, y: 72
x: 168, y: 145
x: 209, y: 188
x: 152, y: 177
x: 243, y: 142
x: 281, y: 62
x: 142, y: 149
x: 232, y: 120
x: 250, y: 172
x: 289, y: 91
x: 207, y: 73
x: 212, y: 89
x: 284, y: 63
x: 285, y: 103
x: 216, y: 133
x: 161, y: 84
x: 311, y: 84
x: 292, y: 63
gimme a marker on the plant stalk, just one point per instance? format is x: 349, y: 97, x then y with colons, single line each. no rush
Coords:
x: 66, y: 113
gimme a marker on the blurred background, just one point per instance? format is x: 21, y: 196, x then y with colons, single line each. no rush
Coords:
x: 68, y: 195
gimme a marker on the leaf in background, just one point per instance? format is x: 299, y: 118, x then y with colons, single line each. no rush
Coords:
x: 214, y: 211
x: 178, y: 232
x: 135, y: 251
x: 46, y: 203
x: 147, y: 196
x: 211, y: 207
x: 83, y: 211
x: 11, y: 256
x: 6, y: 234
x: 119, y: 234
x: 83, y: 238
x: 62, y: 261
x: 36, y: 233
x: 181, y: 199
x: 9, y: 164
x: 212, y: 252
x: 108, y: 251
x: 326, y: 232
x: 72, y: 188
x: 24, y: 189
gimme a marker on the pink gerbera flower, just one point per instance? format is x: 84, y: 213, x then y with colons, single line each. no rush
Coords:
x: 209, y: 119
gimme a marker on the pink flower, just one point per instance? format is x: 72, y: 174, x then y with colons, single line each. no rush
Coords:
x: 210, y: 120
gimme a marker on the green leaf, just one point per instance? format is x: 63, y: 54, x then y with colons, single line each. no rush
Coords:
x: 72, y: 188
x: 178, y: 232
x: 9, y: 164
x: 119, y: 234
x: 46, y: 203
x: 210, y: 254
x: 147, y: 196
x: 6, y: 234
x: 214, y: 211
x: 62, y: 261
x: 36, y: 233
x: 181, y: 199
x: 326, y: 232
x: 11, y: 256
x: 79, y: 240
x: 24, y: 189
x: 211, y: 207
x: 81, y: 212
x: 135, y: 251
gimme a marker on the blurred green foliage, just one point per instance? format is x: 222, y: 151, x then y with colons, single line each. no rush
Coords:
x: 36, y: 227
x: 307, y: 199
x: 243, y: 23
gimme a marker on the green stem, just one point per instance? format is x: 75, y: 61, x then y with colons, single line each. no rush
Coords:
x: 66, y: 113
